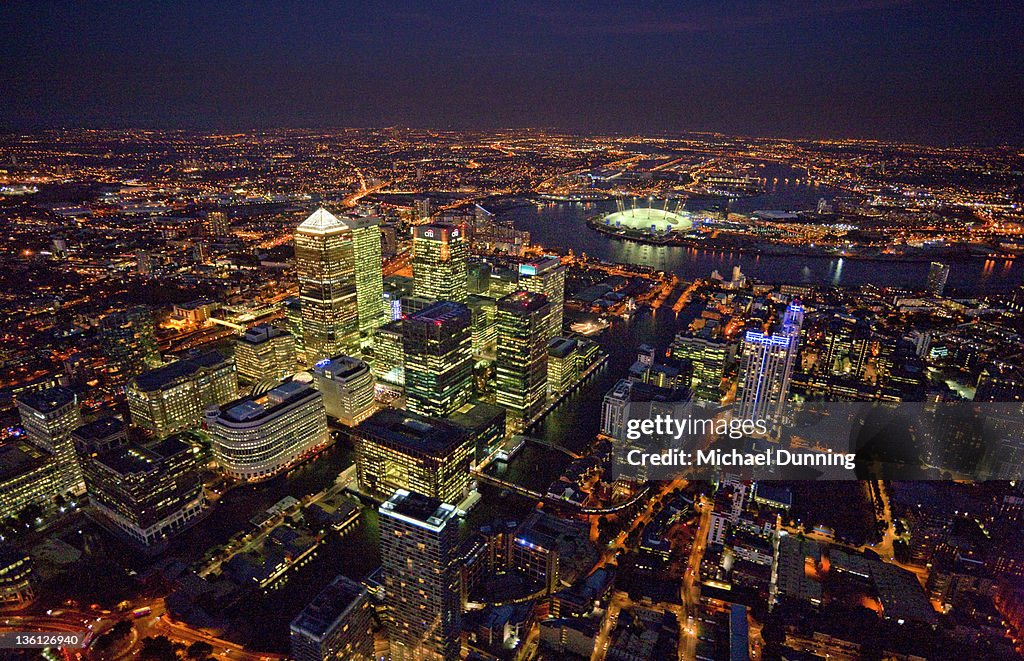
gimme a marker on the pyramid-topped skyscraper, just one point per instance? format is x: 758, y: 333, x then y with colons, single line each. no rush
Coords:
x: 325, y: 257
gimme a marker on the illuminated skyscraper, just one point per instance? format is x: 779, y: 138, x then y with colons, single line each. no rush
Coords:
x: 847, y: 346
x: 388, y: 355
x: 546, y: 275
x: 265, y: 352
x: 766, y: 368
x: 419, y: 541
x: 325, y: 256
x: 938, y: 273
x: 292, y: 308
x: 438, y: 346
x: 48, y: 417
x: 522, y: 362
x: 439, y: 263
x: 369, y: 277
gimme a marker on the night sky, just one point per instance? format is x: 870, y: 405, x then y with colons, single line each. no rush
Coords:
x: 934, y: 72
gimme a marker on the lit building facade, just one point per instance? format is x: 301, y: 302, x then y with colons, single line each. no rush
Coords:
x: 522, y: 355
x: 17, y: 578
x: 438, y: 346
x: 419, y: 542
x: 563, y: 368
x: 347, y: 386
x: 48, y: 417
x: 255, y: 438
x: 172, y: 398
x: 28, y: 476
x: 389, y: 355
x: 369, y: 275
x: 709, y: 357
x: 766, y: 368
x: 938, y: 274
x: 325, y: 257
x: 400, y: 450
x: 546, y: 275
x: 484, y: 312
x: 336, y: 626
x: 148, y: 492
x: 265, y: 352
x: 439, y: 263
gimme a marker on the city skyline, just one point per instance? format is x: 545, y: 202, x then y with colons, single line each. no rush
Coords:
x: 332, y: 394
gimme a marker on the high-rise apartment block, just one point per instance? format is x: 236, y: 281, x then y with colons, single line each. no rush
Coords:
x: 419, y: 542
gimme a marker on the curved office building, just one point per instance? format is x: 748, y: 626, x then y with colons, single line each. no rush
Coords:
x: 255, y: 438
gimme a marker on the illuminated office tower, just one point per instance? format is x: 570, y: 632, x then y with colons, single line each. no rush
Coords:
x: 438, y: 346
x: 48, y: 418
x: 938, y: 273
x: 347, y: 387
x: 216, y: 224
x: 149, y: 492
x: 419, y: 542
x: 546, y: 275
x: 29, y: 475
x: 369, y: 276
x: 522, y: 362
x: 388, y: 355
x: 485, y: 329
x: 400, y: 450
x: 766, y: 367
x: 709, y: 357
x: 336, y: 626
x: 439, y: 267
x: 257, y: 437
x: 847, y: 346
x: 325, y: 256
x: 172, y: 398
x: 292, y: 308
x: 265, y: 352
x: 127, y: 341
x: 563, y: 371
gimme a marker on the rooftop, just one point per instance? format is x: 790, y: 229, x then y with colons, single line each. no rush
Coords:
x: 261, y: 333
x: 47, y: 400
x: 417, y: 508
x: 161, y: 377
x: 560, y: 347
x: 340, y: 367
x: 412, y: 432
x: 249, y: 409
x: 328, y: 607
x: 321, y: 221
x: 522, y: 301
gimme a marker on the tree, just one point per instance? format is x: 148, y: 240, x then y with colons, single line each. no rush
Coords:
x: 158, y: 648
x: 200, y: 650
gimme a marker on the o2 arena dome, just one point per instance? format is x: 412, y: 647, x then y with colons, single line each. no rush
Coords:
x: 648, y: 220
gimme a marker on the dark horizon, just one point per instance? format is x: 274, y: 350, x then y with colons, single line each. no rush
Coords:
x: 893, y: 70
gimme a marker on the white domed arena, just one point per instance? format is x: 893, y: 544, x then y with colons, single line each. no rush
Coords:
x: 648, y: 220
